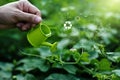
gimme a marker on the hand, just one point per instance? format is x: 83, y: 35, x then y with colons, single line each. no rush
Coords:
x: 21, y: 14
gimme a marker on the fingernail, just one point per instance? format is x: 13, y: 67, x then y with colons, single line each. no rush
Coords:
x: 38, y: 19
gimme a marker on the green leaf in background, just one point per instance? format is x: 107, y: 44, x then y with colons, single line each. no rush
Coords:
x: 117, y: 72
x: 5, y: 75
x: 93, y: 55
x: 63, y: 43
x: 56, y: 76
x: 5, y: 70
x: 76, y: 56
x: 29, y: 77
x: 114, y: 56
x: 85, y: 57
x: 33, y: 63
x: 6, y: 66
x: 84, y: 43
x: 70, y: 69
x: 26, y: 77
x: 18, y: 77
x: 104, y: 65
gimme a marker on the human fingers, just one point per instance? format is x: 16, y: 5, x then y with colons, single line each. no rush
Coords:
x: 26, y: 6
x: 27, y: 17
x: 24, y: 26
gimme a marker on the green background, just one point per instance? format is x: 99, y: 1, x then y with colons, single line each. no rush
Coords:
x: 90, y: 50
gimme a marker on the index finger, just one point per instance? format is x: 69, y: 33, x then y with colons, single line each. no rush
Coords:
x: 34, y: 10
x: 26, y: 6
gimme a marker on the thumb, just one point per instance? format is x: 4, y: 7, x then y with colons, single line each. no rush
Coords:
x: 27, y: 17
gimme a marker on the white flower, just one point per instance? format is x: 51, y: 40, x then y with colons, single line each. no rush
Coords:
x: 64, y: 9
x: 73, y: 49
x: 92, y: 27
x: 68, y: 25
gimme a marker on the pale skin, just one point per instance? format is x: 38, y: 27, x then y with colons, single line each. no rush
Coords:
x: 21, y: 14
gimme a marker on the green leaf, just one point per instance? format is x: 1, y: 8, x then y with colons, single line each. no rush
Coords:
x: 104, y: 65
x: 18, y: 77
x: 93, y: 55
x: 84, y: 43
x: 6, y: 70
x: 117, y: 72
x: 84, y: 57
x: 29, y: 77
x: 95, y: 62
x: 33, y: 63
x: 72, y: 53
x: 56, y: 76
x: 6, y: 66
x: 70, y: 68
x: 44, y: 51
x: 76, y: 56
x: 114, y: 56
x: 63, y: 43
x: 5, y: 75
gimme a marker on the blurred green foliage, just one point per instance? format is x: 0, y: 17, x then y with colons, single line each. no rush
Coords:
x: 90, y: 50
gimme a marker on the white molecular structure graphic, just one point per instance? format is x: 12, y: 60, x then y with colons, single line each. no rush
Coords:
x: 67, y: 25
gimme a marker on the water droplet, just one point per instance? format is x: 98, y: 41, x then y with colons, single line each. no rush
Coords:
x: 77, y: 18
